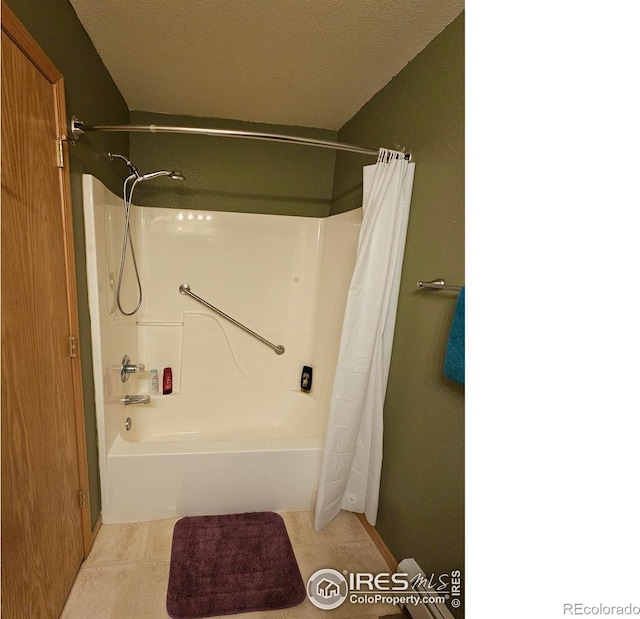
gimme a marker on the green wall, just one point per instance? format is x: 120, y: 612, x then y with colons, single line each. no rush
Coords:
x: 92, y: 96
x: 230, y: 174
x: 421, y: 512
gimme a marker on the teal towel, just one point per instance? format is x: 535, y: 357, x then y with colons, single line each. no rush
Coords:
x: 454, y: 356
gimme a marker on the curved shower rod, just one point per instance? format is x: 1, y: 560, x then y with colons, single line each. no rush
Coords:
x: 78, y: 128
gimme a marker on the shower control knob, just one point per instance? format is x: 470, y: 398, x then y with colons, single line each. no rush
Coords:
x: 126, y: 368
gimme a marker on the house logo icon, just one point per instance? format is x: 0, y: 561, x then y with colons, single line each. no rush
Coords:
x: 327, y: 589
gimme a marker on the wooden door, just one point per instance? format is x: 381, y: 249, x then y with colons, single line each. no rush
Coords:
x: 44, y: 471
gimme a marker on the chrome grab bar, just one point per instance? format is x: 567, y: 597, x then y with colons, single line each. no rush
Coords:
x: 185, y: 289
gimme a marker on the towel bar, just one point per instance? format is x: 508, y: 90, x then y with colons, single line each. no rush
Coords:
x: 438, y: 284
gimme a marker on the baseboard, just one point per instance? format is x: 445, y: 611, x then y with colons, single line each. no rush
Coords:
x: 379, y: 542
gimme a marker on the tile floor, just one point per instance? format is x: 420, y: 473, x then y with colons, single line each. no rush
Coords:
x: 127, y: 572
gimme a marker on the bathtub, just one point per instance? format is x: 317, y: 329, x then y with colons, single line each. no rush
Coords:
x: 223, y: 443
x: 165, y: 476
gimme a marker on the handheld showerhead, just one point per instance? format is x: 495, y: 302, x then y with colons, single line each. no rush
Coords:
x: 127, y: 195
x: 173, y: 175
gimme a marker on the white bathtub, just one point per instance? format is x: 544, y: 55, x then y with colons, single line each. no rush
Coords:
x: 223, y: 444
x: 201, y: 475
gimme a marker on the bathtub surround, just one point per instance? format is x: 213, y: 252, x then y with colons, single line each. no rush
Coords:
x: 111, y: 337
x: 236, y: 417
x: 352, y: 459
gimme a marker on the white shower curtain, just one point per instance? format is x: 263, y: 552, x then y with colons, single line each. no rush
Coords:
x: 352, y: 460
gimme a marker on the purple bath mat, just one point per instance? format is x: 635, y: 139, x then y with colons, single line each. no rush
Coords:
x: 237, y: 563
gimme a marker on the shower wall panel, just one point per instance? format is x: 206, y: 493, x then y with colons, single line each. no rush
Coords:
x: 113, y: 335
x: 262, y: 270
x: 284, y: 277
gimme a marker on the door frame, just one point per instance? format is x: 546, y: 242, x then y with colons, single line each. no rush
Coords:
x: 20, y: 36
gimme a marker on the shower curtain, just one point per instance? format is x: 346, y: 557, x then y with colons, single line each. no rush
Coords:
x: 352, y: 459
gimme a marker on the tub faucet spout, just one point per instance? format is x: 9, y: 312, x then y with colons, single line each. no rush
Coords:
x: 136, y: 399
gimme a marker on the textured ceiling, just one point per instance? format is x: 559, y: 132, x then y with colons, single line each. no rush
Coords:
x: 310, y: 63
